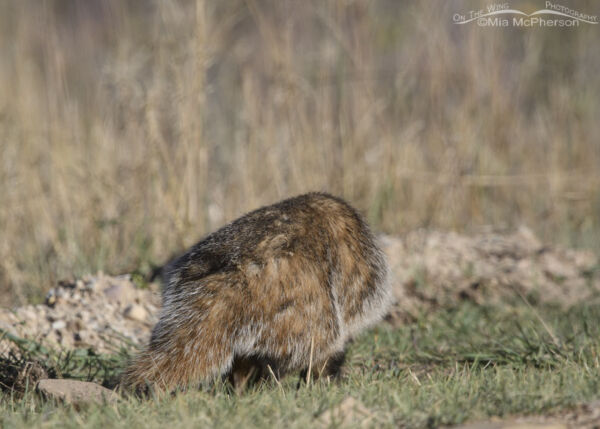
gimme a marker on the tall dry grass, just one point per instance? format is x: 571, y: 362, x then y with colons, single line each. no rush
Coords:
x: 129, y: 129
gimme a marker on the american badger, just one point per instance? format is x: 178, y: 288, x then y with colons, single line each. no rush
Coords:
x: 280, y: 289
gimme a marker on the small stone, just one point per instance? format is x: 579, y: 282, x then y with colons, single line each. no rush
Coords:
x: 74, y: 325
x: 51, y: 298
x: 527, y: 239
x: 558, y: 268
x: 75, y: 392
x: 89, y: 286
x: 8, y: 328
x: 85, y: 338
x: 135, y: 312
x: 27, y: 313
x: 59, y: 324
x: 349, y: 411
x: 121, y: 292
x: 68, y: 283
x: 584, y: 260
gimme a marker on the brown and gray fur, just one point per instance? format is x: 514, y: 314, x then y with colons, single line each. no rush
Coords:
x: 286, y: 286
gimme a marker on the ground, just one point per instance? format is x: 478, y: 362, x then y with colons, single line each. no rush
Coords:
x: 444, y: 362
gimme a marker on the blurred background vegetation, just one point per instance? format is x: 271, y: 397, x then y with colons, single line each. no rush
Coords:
x: 129, y: 129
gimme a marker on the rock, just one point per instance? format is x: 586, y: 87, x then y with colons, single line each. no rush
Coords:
x: 135, y: 312
x: 528, y: 239
x: 86, y: 338
x: 349, y: 412
x: 8, y: 328
x: 52, y: 299
x: 584, y: 260
x: 120, y: 292
x: 59, y: 324
x: 74, y: 325
x: 27, y: 313
x: 558, y: 268
x: 75, y: 392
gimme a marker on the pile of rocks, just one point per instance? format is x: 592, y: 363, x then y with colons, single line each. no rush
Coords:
x: 101, y: 312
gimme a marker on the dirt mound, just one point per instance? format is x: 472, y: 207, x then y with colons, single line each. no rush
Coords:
x: 429, y: 270
x: 433, y: 269
x: 102, y: 312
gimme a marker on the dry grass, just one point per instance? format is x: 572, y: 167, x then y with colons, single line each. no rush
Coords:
x: 129, y: 129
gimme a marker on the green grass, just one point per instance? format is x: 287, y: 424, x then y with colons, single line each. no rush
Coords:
x: 468, y: 363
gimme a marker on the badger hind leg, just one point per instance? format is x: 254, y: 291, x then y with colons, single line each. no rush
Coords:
x: 167, y: 370
x: 248, y: 370
x: 188, y: 345
x: 330, y: 368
